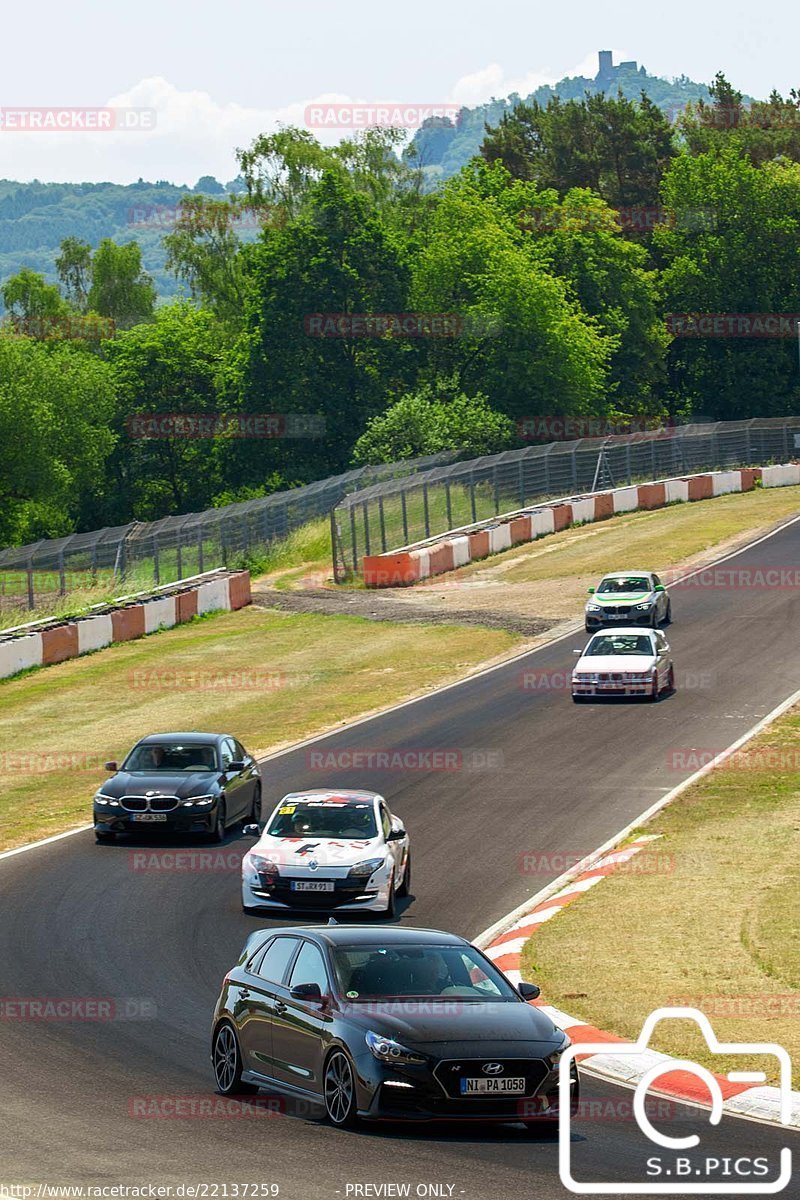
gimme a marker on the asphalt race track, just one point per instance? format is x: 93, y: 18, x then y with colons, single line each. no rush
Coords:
x: 537, y: 774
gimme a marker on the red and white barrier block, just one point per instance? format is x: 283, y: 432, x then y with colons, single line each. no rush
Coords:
x: 455, y: 549
x: 49, y: 642
x: 739, y: 1098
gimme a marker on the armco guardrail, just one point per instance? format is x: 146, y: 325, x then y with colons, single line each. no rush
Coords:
x: 43, y: 643
x: 403, y: 512
x: 179, y: 546
x: 461, y: 546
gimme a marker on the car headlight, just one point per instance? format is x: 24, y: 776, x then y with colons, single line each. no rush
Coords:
x: 555, y: 1058
x: 389, y: 1051
x: 364, y: 869
x: 594, y: 608
x: 643, y: 607
x: 200, y: 801
x: 264, y: 866
x: 102, y: 798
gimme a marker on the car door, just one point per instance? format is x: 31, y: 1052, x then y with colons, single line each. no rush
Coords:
x: 250, y: 773
x: 661, y: 599
x: 662, y: 658
x: 258, y: 1000
x: 302, y: 1026
x: 236, y: 788
x: 396, y: 848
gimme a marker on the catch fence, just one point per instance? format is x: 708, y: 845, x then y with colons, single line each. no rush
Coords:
x: 396, y: 513
x: 143, y: 553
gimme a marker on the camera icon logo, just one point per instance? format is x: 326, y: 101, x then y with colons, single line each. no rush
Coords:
x: 688, y: 1179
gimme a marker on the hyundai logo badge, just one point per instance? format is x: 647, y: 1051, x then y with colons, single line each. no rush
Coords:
x: 492, y: 1068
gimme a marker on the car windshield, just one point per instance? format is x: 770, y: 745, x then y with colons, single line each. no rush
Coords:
x: 434, y: 972
x: 171, y: 756
x: 619, y: 643
x: 631, y: 583
x: 324, y: 818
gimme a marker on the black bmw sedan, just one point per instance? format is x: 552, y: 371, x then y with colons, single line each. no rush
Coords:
x: 181, y: 783
x: 392, y: 1023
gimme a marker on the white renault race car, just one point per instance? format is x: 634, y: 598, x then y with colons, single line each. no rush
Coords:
x: 341, y: 850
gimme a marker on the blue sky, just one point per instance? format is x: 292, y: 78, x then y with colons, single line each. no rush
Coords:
x: 218, y: 73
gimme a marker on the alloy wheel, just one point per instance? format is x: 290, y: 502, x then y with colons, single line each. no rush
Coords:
x: 339, y: 1089
x: 226, y: 1059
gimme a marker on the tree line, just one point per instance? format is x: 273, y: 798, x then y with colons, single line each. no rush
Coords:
x: 371, y: 319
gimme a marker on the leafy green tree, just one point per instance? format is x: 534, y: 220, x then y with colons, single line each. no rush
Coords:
x: 746, y: 262
x: 523, y: 342
x: 167, y: 366
x: 27, y: 295
x: 435, y: 417
x: 611, y: 145
x: 204, y: 251
x: 762, y: 131
x: 56, y: 406
x: 120, y: 288
x: 300, y: 355
x: 74, y: 267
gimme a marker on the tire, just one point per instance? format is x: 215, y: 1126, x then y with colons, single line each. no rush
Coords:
x: 668, y: 617
x: 218, y: 832
x: 339, y: 1090
x: 390, y: 905
x: 654, y: 692
x: 654, y: 619
x: 255, y: 809
x: 104, y: 838
x: 405, y: 886
x: 226, y: 1060
x: 670, y: 681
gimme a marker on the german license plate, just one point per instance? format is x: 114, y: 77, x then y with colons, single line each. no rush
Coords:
x: 316, y: 885
x: 514, y: 1086
x: 149, y: 816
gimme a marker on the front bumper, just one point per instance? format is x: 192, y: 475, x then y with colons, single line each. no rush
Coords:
x: 179, y: 820
x: 613, y: 688
x: 603, y: 620
x: 418, y: 1093
x: 347, y: 896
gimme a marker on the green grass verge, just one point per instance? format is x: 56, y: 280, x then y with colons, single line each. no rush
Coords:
x: 709, y: 918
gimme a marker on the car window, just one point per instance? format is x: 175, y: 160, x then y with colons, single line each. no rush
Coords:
x: 239, y: 750
x: 309, y: 967
x: 228, y: 753
x: 656, y: 580
x: 385, y: 822
x: 619, y: 643
x: 274, y: 963
x: 323, y: 818
x: 628, y: 583
x: 172, y: 757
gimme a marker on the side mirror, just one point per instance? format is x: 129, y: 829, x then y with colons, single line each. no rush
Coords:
x: 306, y: 991
x: 395, y: 835
x: 529, y: 991
x: 110, y: 766
x: 236, y: 764
x: 577, y: 652
x: 659, y: 587
x: 251, y: 830
x: 590, y: 591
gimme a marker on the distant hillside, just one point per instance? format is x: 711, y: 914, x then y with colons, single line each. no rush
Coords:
x: 35, y: 217
x: 442, y: 146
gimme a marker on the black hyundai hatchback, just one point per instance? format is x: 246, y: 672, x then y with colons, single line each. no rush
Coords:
x: 179, y: 783
x: 390, y: 1023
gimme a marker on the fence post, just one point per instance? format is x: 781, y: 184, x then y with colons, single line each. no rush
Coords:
x: 425, y: 511
x: 29, y: 574
x: 200, y: 529
x: 155, y: 559
x: 335, y: 546
x: 522, y: 482
x: 472, y: 495
x: 448, y: 504
x: 366, y: 527
x: 496, y: 487
x: 628, y: 462
x: 405, y: 515
x: 574, y: 470
x: 62, y: 576
x: 353, y: 537
x: 382, y: 520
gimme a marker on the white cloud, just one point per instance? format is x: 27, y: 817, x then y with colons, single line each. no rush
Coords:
x: 492, y: 80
